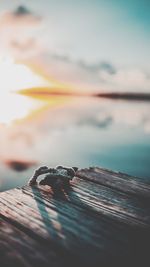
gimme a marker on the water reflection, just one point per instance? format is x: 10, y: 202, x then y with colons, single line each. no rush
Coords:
x: 78, y: 131
x: 14, y: 107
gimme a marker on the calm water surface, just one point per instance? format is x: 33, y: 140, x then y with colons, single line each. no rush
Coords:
x: 80, y: 132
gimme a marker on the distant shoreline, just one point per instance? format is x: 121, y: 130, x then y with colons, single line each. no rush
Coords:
x: 37, y: 92
x: 125, y: 96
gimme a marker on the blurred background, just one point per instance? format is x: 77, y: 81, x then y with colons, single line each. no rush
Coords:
x: 58, y: 59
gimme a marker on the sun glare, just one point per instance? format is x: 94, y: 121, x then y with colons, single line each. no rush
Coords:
x: 14, y: 77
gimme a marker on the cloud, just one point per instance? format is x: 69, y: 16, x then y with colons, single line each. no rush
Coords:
x: 100, y: 120
x: 19, y: 165
x: 127, y: 80
x: 20, y: 17
x: 97, y: 77
x: 19, y: 32
x: 20, y: 37
x: 91, y: 67
x: 81, y: 76
x: 21, y: 11
x: 98, y: 67
x: 24, y: 48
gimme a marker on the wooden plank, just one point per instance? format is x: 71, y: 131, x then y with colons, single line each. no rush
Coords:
x: 20, y: 250
x: 119, y: 203
x: 94, y: 223
x: 46, y: 221
x: 117, y: 181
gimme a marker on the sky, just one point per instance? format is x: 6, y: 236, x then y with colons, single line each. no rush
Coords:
x: 89, y: 45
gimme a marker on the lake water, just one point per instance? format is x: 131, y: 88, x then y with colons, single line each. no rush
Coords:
x: 79, y: 131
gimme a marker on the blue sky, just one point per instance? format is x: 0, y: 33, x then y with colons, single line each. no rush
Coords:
x: 116, y: 32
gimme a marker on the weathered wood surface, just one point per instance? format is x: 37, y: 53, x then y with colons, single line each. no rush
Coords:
x: 103, y: 219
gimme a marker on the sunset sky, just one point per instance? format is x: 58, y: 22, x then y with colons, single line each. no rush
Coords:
x: 88, y: 45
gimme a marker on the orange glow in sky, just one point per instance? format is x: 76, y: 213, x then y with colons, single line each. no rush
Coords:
x: 14, y: 77
x: 18, y: 86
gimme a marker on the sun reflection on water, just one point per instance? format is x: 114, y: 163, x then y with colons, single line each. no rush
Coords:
x: 14, y: 107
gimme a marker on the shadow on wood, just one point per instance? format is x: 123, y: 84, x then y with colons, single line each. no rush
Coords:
x: 102, y: 219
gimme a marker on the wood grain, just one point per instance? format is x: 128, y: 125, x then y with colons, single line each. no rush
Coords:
x: 103, y: 219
